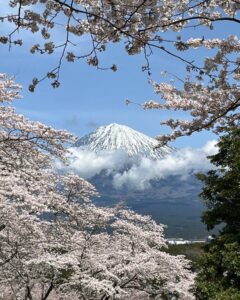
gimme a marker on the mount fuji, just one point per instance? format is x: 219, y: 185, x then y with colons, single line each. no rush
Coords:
x: 115, y: 137
x: 170, y: 200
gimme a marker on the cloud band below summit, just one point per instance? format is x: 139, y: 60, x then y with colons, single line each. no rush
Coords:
x: 138, y: 174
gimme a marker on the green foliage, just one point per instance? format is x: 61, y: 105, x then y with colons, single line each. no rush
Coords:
x: 193, y: 252
x: 219, y: 268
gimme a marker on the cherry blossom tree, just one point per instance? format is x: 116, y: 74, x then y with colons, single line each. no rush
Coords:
x: 55, y: 243
x: 209, y: 90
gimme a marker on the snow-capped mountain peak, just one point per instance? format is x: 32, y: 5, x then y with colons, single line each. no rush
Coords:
x: 121, y: 137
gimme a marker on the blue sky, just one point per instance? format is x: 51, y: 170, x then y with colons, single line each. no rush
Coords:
x: 88, y: 98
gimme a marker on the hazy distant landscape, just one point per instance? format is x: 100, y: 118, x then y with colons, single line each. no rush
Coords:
x: 172, y: 202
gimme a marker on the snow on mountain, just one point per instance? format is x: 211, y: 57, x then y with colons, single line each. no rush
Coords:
x: 120, y: 137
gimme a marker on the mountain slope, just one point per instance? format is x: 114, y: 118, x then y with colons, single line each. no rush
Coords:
x: 120, y: 137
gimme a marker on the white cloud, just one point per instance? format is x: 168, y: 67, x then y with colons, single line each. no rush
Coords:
x: 210, y: 148
x: 183, y: 162
x: 87, y: 164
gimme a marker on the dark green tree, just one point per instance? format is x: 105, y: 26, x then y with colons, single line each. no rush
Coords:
x: 219, y: 268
